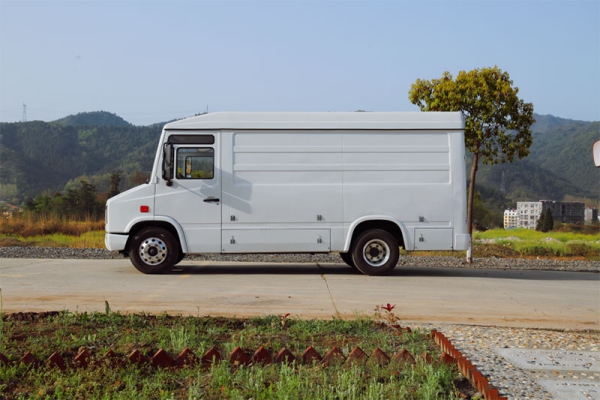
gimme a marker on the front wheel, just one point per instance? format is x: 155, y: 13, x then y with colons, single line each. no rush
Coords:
x: 154, y: 251
x: 375, y: 252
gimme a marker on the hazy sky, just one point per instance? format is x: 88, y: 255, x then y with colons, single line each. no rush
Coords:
x: 151, y: 61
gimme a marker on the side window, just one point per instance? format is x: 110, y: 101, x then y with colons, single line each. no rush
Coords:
x: 195, y: 163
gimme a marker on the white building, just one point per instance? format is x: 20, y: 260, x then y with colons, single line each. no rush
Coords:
x: 510, y: 219
x: 591, y: 216
x: 528, y: 213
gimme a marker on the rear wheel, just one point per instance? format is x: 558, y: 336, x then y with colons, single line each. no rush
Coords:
x: 154, y: 251
x: 347, y: 258
x: 375, y: 252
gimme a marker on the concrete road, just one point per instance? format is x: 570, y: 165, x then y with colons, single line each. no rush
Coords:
x: 540, y: 299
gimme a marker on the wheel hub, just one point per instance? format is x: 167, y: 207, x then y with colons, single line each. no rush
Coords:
x: 153, y: 251
x: 376, y: 253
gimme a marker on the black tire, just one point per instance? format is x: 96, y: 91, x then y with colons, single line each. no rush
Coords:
x: 375, y: 252
x: 180, y: 258
x: 154, y: 251
x: 347, y: 258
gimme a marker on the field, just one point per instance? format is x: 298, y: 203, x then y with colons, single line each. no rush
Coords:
x: 561, y: 243
x: 36, y: 230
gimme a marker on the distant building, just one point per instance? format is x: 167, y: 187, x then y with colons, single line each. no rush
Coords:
x: 570, y: 213
x: 510, y: 219
x: 528, y: 212
x: 591, y: 216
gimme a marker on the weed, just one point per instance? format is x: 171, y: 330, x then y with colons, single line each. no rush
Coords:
x: 2, y: 333
x: 84, y: 340
x: 180, y: 338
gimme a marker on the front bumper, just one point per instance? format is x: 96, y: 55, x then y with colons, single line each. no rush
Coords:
x: 115, y: 241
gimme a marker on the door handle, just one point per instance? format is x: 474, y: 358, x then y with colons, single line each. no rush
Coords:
x: 211, y: 200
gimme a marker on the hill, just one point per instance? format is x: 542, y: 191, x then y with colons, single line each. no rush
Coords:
x: 560, y: 163
x: 39, y: 156
x: 545, y: 123
x: 95, y: 118
x: 567, y: 152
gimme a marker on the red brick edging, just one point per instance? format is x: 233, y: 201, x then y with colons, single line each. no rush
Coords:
x: 469, y: 371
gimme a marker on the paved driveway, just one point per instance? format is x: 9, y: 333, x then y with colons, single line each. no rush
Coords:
x: 541, y: 299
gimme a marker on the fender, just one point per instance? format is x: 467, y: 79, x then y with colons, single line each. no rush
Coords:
x: 407, y: 239
x: 161, y: 218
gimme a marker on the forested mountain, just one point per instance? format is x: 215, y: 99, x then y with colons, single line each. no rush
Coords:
x: 567, y: 151
x: 545, y: 123
x: 560, y: 163
x: 97, y: 118
x: 38, y: 157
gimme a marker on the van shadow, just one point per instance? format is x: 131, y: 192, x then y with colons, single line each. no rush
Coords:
x: 399, y: 271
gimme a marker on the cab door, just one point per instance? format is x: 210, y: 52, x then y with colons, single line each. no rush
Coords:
x: 192, y: 196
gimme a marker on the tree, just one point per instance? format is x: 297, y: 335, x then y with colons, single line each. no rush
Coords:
x: 539, y: 224
x: 497, y: 122
x: 139, y: 177
x: 482, y: 217
x: 81, y: 202
x: 548, y: 223
x: 115, y: 180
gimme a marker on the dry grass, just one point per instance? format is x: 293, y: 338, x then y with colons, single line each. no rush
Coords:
x: 29, y: 225
x: 44, y: 231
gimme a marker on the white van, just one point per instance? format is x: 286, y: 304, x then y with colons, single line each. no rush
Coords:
x: 362, y: 184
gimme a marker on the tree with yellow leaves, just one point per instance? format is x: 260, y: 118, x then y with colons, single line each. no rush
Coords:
x: 497, y: 122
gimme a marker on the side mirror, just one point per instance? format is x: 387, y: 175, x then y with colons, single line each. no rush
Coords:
x: 167, y: 165
x: 596, y: 151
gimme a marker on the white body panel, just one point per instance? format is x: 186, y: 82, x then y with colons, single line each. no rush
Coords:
x: 302, y: 182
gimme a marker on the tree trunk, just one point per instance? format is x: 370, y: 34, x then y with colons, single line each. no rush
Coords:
x: 470, y: 206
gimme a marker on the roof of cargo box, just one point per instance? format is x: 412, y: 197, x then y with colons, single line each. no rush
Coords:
x: 321, y: 120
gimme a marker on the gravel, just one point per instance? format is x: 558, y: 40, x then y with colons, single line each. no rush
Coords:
x: 408, y: 261
x: 478, y: 343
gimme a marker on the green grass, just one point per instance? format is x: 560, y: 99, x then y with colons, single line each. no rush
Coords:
x: 532, y: 235
x: 69, y: 332
x: 528, y: 242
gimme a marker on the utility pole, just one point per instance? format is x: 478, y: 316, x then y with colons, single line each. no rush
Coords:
x: 24, y: 113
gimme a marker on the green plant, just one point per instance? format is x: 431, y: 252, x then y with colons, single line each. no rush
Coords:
x: 2, y: 333
x: 180, y: 339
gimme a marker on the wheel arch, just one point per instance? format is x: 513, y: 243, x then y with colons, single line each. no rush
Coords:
x: 166, y: 223
x: 391, y: 225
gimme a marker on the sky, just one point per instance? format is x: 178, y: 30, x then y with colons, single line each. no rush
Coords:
x: 154, y: 61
